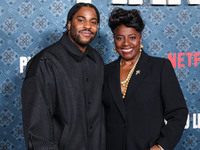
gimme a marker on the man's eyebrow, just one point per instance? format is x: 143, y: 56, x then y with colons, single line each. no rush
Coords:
x: 85, y: 17
x: 80, y: 17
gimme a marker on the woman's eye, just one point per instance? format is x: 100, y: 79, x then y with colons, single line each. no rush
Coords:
x: 119, y: 38
x: 132, y: 38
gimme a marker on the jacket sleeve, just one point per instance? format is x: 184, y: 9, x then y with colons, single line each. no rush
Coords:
x: 175, y: 109
x: 38, y: 92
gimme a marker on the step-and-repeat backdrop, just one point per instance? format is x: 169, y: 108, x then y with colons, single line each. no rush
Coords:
x: 28, y: 26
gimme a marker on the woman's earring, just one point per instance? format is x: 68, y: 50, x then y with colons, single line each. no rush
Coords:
x: 115, y: 49
x: 141, y: 46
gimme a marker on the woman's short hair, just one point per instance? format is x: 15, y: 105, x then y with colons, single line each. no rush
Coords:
x: 129, y: 18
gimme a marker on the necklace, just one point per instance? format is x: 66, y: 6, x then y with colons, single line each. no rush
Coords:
x: 126, y: 82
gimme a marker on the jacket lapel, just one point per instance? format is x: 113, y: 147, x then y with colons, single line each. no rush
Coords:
x: 114, y: 86
x: 139, y: 73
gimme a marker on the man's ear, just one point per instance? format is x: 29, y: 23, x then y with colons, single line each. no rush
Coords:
x: 69, y: 25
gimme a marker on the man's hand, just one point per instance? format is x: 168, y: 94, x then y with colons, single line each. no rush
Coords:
x: 155, y: 147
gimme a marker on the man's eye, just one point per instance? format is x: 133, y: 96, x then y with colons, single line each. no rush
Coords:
x: 80, y: 20
x: 93, y: 22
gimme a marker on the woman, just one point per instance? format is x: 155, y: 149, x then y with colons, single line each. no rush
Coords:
x: 140, y: 92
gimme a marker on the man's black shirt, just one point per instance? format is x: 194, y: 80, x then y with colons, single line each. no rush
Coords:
x: 62, y: 99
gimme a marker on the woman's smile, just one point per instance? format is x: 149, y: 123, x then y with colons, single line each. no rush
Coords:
x: 127, y: 50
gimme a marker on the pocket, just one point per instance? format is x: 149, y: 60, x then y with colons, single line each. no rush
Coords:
x: 40, y: 143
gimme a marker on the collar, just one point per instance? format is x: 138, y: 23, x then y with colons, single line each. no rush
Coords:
x: 74, y: 51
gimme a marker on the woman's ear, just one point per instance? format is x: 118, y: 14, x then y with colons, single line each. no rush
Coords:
x: 141, y: 39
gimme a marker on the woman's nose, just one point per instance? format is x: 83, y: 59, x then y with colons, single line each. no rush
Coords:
x: 126, y: 42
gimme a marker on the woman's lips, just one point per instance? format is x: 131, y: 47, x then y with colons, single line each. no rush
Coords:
x: 127, y: 50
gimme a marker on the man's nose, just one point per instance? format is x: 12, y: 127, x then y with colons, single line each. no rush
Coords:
x: 87, y: 24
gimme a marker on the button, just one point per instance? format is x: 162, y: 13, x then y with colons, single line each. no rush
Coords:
x: 91, y: 127
x: 89, y: 102
x: 87, y: 79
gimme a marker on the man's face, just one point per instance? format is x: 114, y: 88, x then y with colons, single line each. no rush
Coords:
x: 83, y: 26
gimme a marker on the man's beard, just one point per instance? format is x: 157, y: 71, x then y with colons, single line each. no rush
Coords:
x: 77, y: 38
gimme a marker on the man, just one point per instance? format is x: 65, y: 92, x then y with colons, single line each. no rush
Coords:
x: 61, y: 94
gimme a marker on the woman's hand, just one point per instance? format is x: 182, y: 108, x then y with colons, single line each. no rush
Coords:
x: 155, y: 147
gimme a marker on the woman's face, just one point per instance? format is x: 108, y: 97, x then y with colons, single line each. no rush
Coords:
x: 127, y: 42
